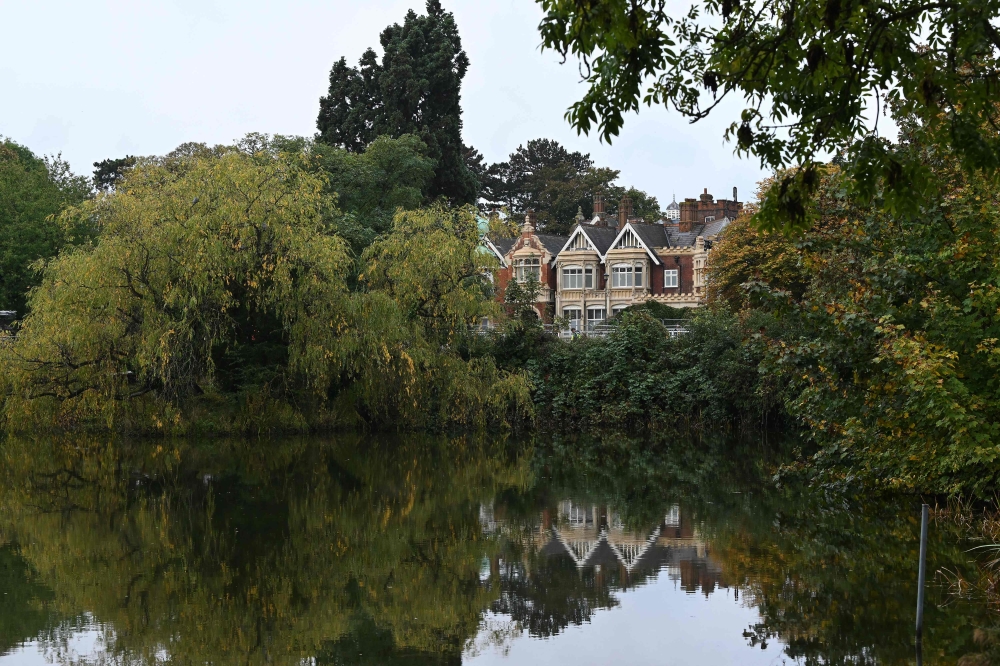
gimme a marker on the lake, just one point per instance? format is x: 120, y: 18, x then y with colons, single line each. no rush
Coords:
x: 456, y: 550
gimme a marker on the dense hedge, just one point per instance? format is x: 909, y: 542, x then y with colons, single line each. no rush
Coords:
x: 638, y: 377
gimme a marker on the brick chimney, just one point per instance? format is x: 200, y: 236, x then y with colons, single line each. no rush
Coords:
x: 598, y: 204
x: 689, y: 215
x: 706, y: 197
x: 624, y: 211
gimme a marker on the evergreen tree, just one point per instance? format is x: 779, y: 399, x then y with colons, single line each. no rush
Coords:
x: 108, y: 173
x: 557, y: 184
x: 415, y: 89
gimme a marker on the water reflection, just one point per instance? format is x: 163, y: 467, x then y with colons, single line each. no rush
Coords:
x: 359, y: 550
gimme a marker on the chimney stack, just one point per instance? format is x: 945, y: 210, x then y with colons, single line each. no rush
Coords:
x: 598, y: 204
x: 706, y: 197
x: 624, y: 211
x: 689, y: 215
x: 734, y: 195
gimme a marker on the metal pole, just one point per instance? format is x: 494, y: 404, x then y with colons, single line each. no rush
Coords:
x: 922, y: 571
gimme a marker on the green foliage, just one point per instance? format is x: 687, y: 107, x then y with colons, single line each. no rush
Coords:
x: 883, y: 326
x: 371, y: 185
x: 108, y: 173
x: 415, y: 89
x: 638, y: 377
x: 216, y: 298
x: 32, y: 192
x: 811, y: 75
x: 658, y: 310
x: 545, y: 177
x: 431, y: 265
x: 745, y: 253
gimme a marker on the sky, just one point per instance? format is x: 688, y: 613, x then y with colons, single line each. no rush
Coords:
x: 106, y: 78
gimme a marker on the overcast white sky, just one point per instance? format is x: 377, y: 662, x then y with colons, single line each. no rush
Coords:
x: 102, y: 78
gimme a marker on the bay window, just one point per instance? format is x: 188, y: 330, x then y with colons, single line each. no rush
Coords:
x: 621, y: 276
x: 572, y: 277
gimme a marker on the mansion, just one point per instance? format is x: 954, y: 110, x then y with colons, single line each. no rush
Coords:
x: 609, y: 263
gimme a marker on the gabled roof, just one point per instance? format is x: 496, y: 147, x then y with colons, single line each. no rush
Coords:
x: 649, y: 235
x: 600, y: 238
x: 552, y: 243
x: 499, y: 247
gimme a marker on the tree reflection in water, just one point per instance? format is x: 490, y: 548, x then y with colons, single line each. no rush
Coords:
x: 415, y: 550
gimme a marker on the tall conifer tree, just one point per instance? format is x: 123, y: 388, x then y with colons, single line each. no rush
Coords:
x: 415, y: 89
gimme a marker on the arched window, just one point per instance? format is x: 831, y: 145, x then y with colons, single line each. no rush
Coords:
x: 621, y: 276
x: 616, y: 309
x: 572, y: 277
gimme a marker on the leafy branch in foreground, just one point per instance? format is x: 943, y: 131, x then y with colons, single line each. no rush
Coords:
x: 812, y: 75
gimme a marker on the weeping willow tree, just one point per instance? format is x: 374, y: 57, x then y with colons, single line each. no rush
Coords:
x: 216, y: 297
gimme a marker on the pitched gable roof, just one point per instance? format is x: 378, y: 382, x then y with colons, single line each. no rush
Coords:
x: 649, y: 236
x: 552, y: 243
x: 599, y: 238
x: 499, y: 247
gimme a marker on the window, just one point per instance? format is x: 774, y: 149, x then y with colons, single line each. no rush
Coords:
x: 594, y: 317
x: 670, y: 277
x: 710, y: 218
x: 621, y: 276
x: 527, y: 266
x: 616, y: 309
x: 638, y: 276
x: 572, y: 277
x: 573, y: 315
x: 588, y: 277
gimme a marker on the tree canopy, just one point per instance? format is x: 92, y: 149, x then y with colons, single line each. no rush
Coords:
x: 414, y: 89
x: 814, y: 76
x: 109, y: 172
x: 32, y: 192
x: 370, y: 185
x: 217, y: 293
x: 881, y: 328
x: 557, y: 184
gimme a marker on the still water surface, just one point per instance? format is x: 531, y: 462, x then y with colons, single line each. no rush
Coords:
x: 361, y: 550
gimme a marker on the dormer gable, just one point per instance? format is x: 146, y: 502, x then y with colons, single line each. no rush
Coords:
x: 579, y: 240
x: 631, y: 237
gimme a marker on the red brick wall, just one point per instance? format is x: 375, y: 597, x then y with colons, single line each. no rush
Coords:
x: 656, y: 280
x: 686, y: 274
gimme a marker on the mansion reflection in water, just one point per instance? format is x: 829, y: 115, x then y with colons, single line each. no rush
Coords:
x: 586, y: 552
